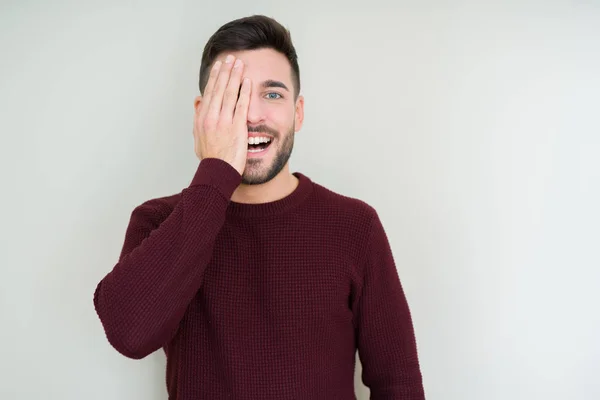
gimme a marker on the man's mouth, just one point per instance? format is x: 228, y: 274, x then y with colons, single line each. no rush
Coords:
x: 258, y: 144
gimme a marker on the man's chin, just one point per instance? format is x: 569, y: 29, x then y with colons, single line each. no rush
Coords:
x: 252, y: 181
x: 255, y: 177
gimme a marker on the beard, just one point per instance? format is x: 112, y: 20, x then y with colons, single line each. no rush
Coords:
x: 256, y: 172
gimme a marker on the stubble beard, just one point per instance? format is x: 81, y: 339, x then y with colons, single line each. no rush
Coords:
x: 257, y: 173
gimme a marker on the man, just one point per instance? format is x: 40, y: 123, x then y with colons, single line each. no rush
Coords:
x: 258, y: 283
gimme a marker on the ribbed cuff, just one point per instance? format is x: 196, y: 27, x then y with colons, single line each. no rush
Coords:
x: 219, y: 174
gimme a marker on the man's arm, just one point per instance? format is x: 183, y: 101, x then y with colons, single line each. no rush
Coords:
x: 142, y: 300
x: 385, y: 334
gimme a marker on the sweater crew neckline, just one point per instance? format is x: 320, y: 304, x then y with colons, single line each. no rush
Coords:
x: 287, y: 203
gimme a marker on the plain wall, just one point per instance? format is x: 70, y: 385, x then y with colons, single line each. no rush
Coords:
x: 472, y: 127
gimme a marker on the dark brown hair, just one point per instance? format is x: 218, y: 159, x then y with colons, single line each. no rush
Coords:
x: 250, y: 33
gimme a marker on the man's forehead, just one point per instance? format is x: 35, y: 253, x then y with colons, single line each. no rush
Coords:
x: 263, y: 64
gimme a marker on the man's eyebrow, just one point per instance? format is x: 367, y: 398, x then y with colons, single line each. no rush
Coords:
x: 270, y: 83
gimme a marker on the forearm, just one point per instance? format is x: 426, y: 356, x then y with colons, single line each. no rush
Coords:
x: 389, y: 351
x: 143, y: 299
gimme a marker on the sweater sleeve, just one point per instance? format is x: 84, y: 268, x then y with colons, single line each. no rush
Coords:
x: 142, y: 300
x: 384, y: 330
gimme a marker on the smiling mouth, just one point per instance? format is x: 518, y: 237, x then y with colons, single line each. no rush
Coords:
x: 256, y: 145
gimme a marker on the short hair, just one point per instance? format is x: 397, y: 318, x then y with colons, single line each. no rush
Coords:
x: 250, y: 33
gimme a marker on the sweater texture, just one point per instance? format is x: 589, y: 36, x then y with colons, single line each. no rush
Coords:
x: 261, y: 301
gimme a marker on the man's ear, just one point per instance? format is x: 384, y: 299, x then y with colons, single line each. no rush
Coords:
x: 197, y: 103
x: 299, y: 117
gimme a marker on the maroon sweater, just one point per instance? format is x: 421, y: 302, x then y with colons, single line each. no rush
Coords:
x: 261, y: 301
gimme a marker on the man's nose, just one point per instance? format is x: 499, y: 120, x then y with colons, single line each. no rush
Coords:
x: 255, y: 110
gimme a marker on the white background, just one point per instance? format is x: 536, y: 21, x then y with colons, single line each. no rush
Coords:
x: 472, y: 127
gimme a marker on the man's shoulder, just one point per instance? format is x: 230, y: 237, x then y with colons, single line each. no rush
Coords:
x: 342, y: 206
x: 348, y: 220
x: 158, y: 207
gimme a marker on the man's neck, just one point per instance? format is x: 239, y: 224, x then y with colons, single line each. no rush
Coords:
x: 277, y: 188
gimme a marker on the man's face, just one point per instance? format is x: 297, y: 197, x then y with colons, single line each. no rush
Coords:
x: 272, y: 111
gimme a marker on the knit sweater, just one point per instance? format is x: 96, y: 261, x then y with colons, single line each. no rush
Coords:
x: 261, y: 301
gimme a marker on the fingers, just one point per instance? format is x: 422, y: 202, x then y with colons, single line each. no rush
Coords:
x: 232, y: 92
x: 216, y: 100
x: 208, y: 90
x: 240, y: 117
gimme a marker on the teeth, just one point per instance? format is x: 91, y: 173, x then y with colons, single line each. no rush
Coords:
x: 257, y: 140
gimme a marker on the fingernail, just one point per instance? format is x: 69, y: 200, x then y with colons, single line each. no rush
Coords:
x: 229, y: 59
x: 217, y: 65
x: 238, y: 62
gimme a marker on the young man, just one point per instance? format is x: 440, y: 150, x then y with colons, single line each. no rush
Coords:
x: 258, y: 283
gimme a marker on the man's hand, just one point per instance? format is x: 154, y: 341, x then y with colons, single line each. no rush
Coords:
x: 220, y: 123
